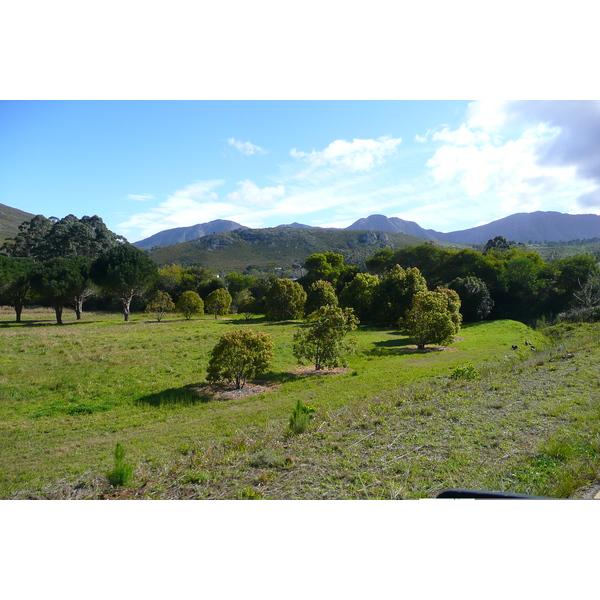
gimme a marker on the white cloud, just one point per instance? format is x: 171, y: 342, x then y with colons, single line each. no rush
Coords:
x: 196, y: 203
x: 489, y: 115
x: 504, y: 174
x: 249, y: 194
x: 358, y: 155
x: 246, y: 148
x: 139, y: 197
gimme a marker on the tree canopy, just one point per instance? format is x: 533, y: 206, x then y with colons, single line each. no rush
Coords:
x: 322, y: 339
x: 218, y: 302
x: 284, y: 300
x: 433, y: 317
x: 240, y: 355
x: 42, y: 238
x: 124, y: 271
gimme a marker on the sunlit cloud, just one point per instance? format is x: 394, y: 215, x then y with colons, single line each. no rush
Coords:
x: 358, y: 155
x: 139, y: 197
x: 249, y: 194
x: 508, y: 173
x: 504, y: 157
x: 246, y: 148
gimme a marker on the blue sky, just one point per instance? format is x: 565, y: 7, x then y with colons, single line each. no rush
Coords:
x: 146, y: 166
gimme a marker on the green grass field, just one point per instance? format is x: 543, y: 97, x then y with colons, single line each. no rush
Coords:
x: 397, y: 424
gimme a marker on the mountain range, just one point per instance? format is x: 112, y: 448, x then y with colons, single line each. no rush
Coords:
x: 540, y: 226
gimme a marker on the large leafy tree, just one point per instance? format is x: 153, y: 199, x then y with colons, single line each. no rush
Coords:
x: 218, y: 302
x: 42, y: 238
x: 124, y: 271
x: 15, y: 283
x: 323, y: 339
x: 395, y: 292
x: 428, y: 258
x: 240, y: 355
x: 284, y: 300
x: 190, y: 304
x: 359, y: 295
x: 327, y: 266
x: 433, y: 317
x: 320, y: 293
x: 87, y: 287
x: 476, y: 302
x: 31, y: 241
x: 59, y: 280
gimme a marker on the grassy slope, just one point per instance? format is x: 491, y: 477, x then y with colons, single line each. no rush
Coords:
x: 282, y: 246
x: 10, y: 219
x: 399, y: 427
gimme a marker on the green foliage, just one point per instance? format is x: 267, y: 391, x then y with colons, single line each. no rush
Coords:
x: 359, y: 295
x: 328, y: 266
x: 190, y: 304
x: 42, y: 239
x: 428, y: 258
x: 125, y: 271
x: 240, y: 355
x: 433, y: 317
x: 466, y: 372
x: 60, y: 280
x: 395, y: 292
x: 284, y: 300
x: 301, y: 417
x: 122, y: 471
x: 160, y: 305
x: 476, y: 302
x: 15, y: 283
x: 218, y: 302
x: 322, y: 340
x: 320, y: 293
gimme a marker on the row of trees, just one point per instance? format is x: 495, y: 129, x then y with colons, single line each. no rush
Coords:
x: 68, y: 261
x: 502, y: 282
x: 62, y: 262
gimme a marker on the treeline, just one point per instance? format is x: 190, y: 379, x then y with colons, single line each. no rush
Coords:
x: 65, y: 262
x: 520, y: 284
x: 503, y: 282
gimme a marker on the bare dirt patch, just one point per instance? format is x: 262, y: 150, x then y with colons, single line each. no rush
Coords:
x: 228, y: 392
x: 310, y: 372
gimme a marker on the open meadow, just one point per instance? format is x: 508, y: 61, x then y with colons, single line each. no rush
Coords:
x: 396, y: 424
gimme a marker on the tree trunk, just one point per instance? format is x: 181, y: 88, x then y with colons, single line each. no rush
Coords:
x: 18, y: 311
x: 78, y: 306
x: 126, y: 310
x: 58, y: 309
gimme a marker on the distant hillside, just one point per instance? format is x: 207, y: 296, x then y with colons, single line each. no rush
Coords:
x: 184, y: 234
x: 236, y: 250
x: 10, y: 219
x: 528, y: 227
x: 298, y: 226
x: 391, y: 225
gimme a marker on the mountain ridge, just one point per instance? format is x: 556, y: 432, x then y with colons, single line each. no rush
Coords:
x: 538, y: 226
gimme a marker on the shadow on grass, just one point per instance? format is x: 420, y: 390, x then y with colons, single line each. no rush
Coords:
x: 401, y: 346
x: 394, y: 347
x: 44, y: 323
x: 273, y: 377
x: 188, y: 395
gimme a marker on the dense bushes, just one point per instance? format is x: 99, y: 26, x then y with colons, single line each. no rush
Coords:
x: 240, y: 355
